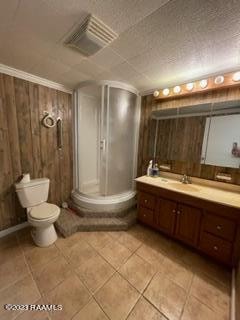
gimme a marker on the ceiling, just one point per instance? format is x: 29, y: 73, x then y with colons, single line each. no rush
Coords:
x: 161, y: 42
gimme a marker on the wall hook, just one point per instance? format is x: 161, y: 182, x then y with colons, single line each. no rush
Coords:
x: 48, y: 120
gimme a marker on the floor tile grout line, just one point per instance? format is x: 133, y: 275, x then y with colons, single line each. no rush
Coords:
x: 161, y: 312
x: 203, y: 303
x: 187, y: 297
x: 117, y: 270
x: 207, y: 275
x: 131, y: 309
x: 94, y: 298
x: 197, y: 298
x: 33, y: 278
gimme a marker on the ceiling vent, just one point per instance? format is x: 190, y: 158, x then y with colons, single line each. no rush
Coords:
x: 91, y: 36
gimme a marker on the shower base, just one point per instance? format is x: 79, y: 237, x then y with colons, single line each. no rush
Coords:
x: 103, y: 206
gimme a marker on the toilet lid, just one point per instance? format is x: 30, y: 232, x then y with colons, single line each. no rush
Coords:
x: 44, y: 211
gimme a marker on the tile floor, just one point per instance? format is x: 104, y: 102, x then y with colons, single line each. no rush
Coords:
x: 134, y: 275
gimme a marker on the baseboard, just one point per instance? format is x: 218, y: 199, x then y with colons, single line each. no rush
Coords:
x: 233, y: 296
x: 20, y: 226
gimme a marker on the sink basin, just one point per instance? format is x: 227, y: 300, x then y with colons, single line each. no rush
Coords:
x: 183, y: 187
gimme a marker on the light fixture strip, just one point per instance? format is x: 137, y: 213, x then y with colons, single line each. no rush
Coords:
x: 204, y: 84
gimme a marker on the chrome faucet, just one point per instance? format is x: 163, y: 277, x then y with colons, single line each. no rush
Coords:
x: 186, y: 179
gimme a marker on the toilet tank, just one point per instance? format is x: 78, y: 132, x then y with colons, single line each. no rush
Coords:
x: 33, y: 192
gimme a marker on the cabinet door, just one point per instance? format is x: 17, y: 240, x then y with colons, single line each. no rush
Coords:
x: 165, y: 215
x: 188, y: 224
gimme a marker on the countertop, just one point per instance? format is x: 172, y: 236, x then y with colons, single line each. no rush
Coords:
x: 200, y: 188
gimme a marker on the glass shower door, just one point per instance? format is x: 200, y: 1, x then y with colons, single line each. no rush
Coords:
x: 89, y: 132
x: 120, y: 149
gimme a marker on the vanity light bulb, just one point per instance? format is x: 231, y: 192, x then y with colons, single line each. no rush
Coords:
x: 203, y: 83
x: 156, y: 93
x: 236, y: 76
x: 219, y: 80
x: 166, y: 92
x: 189, y: 86
x: 177, y: 89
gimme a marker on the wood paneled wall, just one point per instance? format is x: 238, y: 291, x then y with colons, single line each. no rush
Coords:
x: 194, y: 169
x: 27, y: 146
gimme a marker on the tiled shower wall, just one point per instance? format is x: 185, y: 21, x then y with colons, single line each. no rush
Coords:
x: 26, y: 146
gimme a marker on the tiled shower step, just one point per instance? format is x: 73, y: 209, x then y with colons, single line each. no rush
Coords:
x: 90, y: 214
x: 69, y: 223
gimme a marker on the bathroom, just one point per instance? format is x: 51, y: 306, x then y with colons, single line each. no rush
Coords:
x: 119, y: 160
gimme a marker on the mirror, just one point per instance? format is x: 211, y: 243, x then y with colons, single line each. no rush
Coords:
x: 206, y: 134
x: 221, y: 143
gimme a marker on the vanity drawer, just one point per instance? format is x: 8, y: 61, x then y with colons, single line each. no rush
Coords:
x: 216, y: 247
x: 147, y: 200
x: 219, y: 226
x: 145, y: 215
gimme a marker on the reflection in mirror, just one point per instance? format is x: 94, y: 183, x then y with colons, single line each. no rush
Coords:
x: 152, y: 138
x: 166, y: 141
x: 181, y: 132
x: 190, y: 133
x: 205, y: 133
x: 222, y: 139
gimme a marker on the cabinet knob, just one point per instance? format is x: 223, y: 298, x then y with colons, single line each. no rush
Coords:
x: 145, y: 201
x: 215, y: 248
x: 178, y: 212
x: 144, y: 215
x: 174, y: 211
x: 219, y: 227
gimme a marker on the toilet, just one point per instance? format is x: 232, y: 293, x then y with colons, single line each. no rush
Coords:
x: 41, y: 215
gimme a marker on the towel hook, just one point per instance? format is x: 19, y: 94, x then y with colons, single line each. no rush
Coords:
x: 48, y: 121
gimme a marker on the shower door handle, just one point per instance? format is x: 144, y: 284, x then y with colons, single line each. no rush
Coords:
x: 103, y: 144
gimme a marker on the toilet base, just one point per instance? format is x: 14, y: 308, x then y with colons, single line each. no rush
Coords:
x: 44, y: 236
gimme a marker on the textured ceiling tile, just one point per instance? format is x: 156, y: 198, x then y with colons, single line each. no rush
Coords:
x: 218, y: 29
x: 141, y: 82
x: 89, y: 68
x: 124, y: 71
x: 66, y: 55
x: 154, y: 30
x: 106, y: 58
x: 26, y: 40
x: 7, y: 12
x: 119, y: 15
x: 174, y: 72
x: 107, y: 75
x: 46, y: 23
x: 72, y: 78
x: 161, y: 42
x: 18, y: 59
x: 197, y: 12
x: 49, y: 68
x: 222, y: 56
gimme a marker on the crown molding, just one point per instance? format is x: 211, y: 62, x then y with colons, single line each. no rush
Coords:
x: 32, y: 78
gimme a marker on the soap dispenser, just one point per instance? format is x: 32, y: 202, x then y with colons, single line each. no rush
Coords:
x: 155, y: 170
x: 149, y: 169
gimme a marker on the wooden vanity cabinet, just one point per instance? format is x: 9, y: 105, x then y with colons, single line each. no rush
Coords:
x: 174, y: 219
x: 209, y: 227
x: 165, y: 215
x: 188, y: 224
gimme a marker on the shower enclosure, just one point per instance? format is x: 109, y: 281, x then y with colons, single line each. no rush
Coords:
x: 106, y: 133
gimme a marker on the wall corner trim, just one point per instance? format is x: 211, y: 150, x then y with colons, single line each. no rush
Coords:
x: 20, y: 226
x: 32, y: 78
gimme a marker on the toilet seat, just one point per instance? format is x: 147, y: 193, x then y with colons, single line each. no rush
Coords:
x: 44, y: 211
